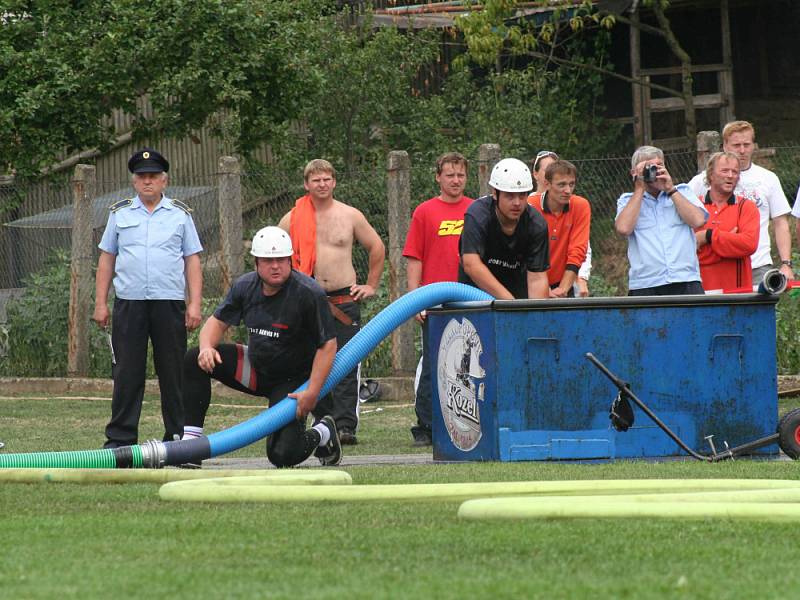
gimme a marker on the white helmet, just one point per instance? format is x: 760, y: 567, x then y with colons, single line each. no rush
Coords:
x: 271, y: 242
x: 511, y: 175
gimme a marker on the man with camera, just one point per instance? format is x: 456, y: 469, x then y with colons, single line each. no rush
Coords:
x: 659, y: 219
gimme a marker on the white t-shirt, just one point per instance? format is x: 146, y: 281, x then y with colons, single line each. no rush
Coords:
x: 763, y: 187
x: 796, y: 207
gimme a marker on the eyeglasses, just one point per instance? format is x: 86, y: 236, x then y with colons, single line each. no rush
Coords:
x: 543, y: 154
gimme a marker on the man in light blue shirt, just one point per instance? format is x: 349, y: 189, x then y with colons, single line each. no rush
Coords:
x: 151, y: 249
x: 659, y: 219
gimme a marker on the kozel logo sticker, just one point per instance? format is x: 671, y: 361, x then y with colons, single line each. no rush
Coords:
x: 460, y: 380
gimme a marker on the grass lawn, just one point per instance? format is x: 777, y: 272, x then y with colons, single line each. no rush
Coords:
x: 73, y: 422
x: 101, y: 541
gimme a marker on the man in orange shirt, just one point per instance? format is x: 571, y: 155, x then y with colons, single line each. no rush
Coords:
x: 544, y: 159
x: 731, y: 233
x: 568, y: 220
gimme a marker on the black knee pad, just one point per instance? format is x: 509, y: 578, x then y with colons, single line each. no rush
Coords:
x: 284, y: 457
x: 278, y: 459
x: 290, y: 452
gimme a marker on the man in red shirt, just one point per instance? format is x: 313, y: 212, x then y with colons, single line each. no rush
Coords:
x: 730, y: 235
x: 432, y: 253
x: 568, y: 220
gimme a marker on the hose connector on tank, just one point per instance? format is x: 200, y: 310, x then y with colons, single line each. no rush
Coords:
x: 154, y: 454
x: 774, y: 283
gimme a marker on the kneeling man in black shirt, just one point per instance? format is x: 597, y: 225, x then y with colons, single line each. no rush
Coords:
x: 504, y: 247
x: 291, y: 338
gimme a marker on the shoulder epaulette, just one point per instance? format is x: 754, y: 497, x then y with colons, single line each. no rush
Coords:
x: 120, y: 204
x: 183, y: 206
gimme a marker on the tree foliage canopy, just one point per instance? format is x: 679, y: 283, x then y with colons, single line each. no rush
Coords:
x: 250, y: 68
x: 366, y: 89
x: 64, y: 65
x: 499, y: 29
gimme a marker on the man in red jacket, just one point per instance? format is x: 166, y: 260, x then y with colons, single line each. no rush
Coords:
x: 730, y: 235
x: 568, y: 221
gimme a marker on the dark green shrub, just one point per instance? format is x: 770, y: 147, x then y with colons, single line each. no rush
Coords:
x: 788, y: 334
x: 37, y: 329
x: 37, y: 323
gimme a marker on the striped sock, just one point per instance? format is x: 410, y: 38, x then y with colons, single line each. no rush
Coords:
x: 190, y: 432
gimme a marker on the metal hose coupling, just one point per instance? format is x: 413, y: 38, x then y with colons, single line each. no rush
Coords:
x: 774, y: 283
x: 154, y: 454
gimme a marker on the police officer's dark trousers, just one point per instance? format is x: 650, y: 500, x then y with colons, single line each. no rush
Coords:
x: 133, y: 323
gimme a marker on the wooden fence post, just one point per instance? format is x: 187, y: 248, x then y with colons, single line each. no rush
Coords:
x: 398, y: 188
x: 230, y: 220
x: 707, y: 144
x: 81, y: 288
x: 488, y: 156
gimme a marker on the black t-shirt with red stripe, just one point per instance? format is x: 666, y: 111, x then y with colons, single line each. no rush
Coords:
x: 286, y: 329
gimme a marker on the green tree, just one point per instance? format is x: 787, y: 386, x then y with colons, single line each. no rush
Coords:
x: 240, y: 65
x: 499, y: 30
x: 523, y: 109
x: 367, y: 79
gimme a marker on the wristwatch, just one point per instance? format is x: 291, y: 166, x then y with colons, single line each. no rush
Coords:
x: 788, y: 263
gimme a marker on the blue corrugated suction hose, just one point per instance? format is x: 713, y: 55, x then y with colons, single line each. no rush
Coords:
x: 154, y: 454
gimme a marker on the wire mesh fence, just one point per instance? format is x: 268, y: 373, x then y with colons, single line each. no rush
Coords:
x: 37, y: 218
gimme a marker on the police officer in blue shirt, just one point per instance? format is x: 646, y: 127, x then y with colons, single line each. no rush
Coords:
x: 150, y: 248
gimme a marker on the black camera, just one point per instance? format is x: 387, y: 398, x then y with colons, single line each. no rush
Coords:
x: 649, y: 173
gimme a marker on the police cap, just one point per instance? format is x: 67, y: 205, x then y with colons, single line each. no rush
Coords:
x: 148, y: 160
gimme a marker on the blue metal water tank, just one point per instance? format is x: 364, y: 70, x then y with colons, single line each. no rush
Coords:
x: 511, y: 382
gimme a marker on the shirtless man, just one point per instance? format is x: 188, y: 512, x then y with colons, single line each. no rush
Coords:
x: 322, y: 231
